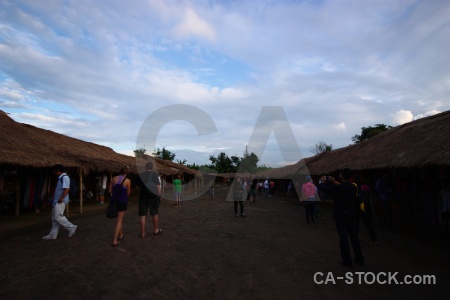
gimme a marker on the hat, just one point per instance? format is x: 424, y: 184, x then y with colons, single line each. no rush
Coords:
x: 308, y: 178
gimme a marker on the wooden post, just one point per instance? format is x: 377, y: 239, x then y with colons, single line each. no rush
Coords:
x: 164, y: 183
x: 195, y: 185
x: 17, y: 195
x: 81, y: 191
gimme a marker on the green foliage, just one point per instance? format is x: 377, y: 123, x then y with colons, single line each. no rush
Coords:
x: 206, y: 169
x: 140, y: 152
x: 222, y: 163
x: 181, y: 162
x: 320, y: 147
x: 164, y: 154
x: 368, y: 132
x: 249, y: 162
x: 193, y: 166
x: 263, y: 168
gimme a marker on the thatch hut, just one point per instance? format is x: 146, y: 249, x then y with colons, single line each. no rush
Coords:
x: 416, y: 155
x: 27, y: 154
x: 418, y: 144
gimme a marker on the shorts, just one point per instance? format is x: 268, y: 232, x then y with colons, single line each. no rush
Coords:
x: 151, y: 204
x: 101, y: 192
x: 252, y: 192
x: 122, y: 206
x: 177, y: 195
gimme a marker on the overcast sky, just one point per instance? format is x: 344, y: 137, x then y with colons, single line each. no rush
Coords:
x: 98, y: 70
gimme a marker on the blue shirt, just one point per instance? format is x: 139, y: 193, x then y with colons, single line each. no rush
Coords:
x: 59, y: 190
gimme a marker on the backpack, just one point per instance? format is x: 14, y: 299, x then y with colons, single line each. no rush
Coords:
x: 363, y: 192
x: 73, y: 189
x: 363, y: 196
x: 309, y: 191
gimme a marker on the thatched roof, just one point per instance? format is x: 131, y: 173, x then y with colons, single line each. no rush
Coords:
x: 230, y: 175
x: 29, y: 146
x: 421, y: 143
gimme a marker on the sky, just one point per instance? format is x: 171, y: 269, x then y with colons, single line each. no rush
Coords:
x: 204, y: 75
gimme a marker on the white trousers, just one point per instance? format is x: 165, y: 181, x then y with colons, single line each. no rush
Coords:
x: 58, y: 219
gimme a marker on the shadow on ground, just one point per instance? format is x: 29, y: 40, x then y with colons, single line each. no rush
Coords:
x: 205, y: 252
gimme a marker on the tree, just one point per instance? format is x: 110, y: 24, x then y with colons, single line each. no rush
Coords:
x: 140, y: 152
x: 368, y: 132
x: 181, y: 162
x: 222, y: 163
x: 164, y: 154
x: 320, y: 147
x: 193, y: 166
x: 263, y: 168
x: 249, y: 163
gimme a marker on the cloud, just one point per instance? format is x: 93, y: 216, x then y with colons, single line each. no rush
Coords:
x: 402, y: 116
x: 340, y: 127
x: 427, y: 114
x: 80, y: 68
x: 193, y: 25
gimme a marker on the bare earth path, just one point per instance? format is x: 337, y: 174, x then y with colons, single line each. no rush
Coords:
x: 205, y: 252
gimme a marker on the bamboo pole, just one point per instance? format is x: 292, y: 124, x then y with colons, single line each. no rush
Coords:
x: 163, y: 183
x: 17, y: 195
x: 81, y: 191
x: 195, y: 185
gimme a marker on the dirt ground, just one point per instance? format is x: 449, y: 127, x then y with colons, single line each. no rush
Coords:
x: 205, y: 252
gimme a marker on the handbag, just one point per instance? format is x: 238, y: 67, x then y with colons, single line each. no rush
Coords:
x: 111, y: 210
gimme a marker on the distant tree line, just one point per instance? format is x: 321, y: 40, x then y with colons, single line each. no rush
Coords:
x: 366, y: 133
x: 222, y: 163
x: 248, y: 163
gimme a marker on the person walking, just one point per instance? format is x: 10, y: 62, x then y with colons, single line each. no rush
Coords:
x: 101, y: 189
x: 238, y: 192
x: 266, y: 187
x: 120, y: 189
x: 309, y: 197
x: 59, y: 202
x: 272, y: 188
x: 253, y: 187
x: 177, y: 189
x: 444, y: 195
x: 149, y: 198
x: 384, y: 189
x: 365, y: 209
x: 345, y: 205
x: 290, y: 189
x: 260, y: 187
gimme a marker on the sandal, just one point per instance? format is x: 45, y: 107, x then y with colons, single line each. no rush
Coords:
x: 158, y: 232
x: 115, y: 245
